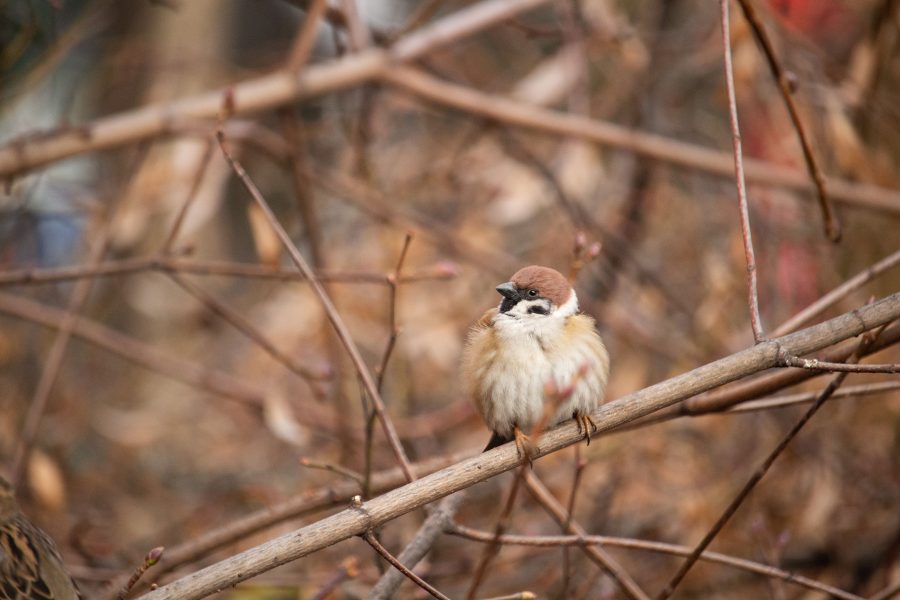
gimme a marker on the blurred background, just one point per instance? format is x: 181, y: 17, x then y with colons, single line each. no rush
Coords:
x: 193, y: 384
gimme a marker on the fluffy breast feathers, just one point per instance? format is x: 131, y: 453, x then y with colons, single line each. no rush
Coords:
x: 508, y: 363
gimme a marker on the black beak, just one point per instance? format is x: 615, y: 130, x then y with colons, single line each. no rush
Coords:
x: 508, y: 290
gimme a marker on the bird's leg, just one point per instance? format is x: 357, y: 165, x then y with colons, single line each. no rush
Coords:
x: 524, y: 445
x: 583, y: 422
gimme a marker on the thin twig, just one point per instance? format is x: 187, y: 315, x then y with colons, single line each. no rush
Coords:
x: 242, y: 324
x: 332, y: 467
x: 542, y: 541
x: 749, y: 256
x: 851, y: 391
x: 503, y: 519
x: 306, y: 201
x: 56, y: 355
x: 597, y: 554
x: 152, y: 558
x: 330, y: 310
x: 579, y: 466
x: 436, y: 523
x: 392, y: 278
x: 786, y: 87
x: 838, y: 293
x: 129, y: 266
x: 306, y: 37
x: 814, y: 364
x: 373, y: 541
x: 205, y: 159
x: 759, y: 473
x: 357, y: 31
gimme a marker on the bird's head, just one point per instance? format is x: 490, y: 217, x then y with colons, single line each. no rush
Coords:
x: 537, y: 292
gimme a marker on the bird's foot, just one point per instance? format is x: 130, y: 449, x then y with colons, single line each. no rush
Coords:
x: 526, y: 448
x: 585, y: 422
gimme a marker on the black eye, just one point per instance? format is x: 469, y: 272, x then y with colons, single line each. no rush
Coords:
x: 532, y: 293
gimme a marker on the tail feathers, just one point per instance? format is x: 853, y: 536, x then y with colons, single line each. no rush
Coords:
x: 496, y: 440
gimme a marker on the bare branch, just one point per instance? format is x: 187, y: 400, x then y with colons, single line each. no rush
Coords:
x: 749, y: 256
x: 597, y: 554
x: 758, y: 474
x: 832, y: 224
x: 336, y: 321
x: 838, y: 293
x: 373, y: 541
x: 436, y: 523
x: 506, y: 110
x: 359, y: 519
x: 542, y: 541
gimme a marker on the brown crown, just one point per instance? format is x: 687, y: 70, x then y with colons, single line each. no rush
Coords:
x: 548, y: 282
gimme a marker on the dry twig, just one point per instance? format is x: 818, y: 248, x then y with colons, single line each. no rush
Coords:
x: 749, y: 256
x: 373, y: 541
x: 786, y: 87
x: 330, y: 310
x: 436, y: 523
x: 543, y: 541
x: 759, y: 473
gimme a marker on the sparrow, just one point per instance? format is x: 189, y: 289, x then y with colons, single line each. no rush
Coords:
x: 536, y: 340
x: 31, y: 567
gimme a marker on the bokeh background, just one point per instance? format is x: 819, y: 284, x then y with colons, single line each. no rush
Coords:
x: 131, y: 455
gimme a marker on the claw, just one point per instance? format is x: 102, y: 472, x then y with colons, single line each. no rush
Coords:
x: 526, y: 448
x: 583, y: 422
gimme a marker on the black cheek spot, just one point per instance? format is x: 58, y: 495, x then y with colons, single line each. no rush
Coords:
x: 538, y: 310
x: 507, y: 304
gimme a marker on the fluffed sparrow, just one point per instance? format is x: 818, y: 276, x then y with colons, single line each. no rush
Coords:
x: 30, y: 565
x: 534, y: 339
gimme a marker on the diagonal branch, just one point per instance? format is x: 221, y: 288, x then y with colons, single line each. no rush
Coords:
x: 356, y: 520
x: 336, y: 321
x: 35, y: 149
x: 668, y: 150
x: 758, y: 474
x: 832, y: 224
x: 436, y: 523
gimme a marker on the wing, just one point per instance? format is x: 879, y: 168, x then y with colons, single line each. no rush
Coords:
x: 477, y: 357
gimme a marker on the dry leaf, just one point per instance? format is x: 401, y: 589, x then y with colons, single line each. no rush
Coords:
x: 280, y: 420
x: 45, y: 480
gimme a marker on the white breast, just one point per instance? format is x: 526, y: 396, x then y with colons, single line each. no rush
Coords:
x: 531, y: 353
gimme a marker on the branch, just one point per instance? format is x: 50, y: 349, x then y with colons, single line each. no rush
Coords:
x: 841, y: 291
x: 129, y: 266
x: 507, y: 110
x: 373, y: 541
x: 814, y: 364
x: 34, y: 149
x: 295, y: 507
x: 746, y: 235
x: 758, y: 474
x: 330, y: 310
x: 436, y: 523
x: 597, y: 554
x: 832, y: 225
x: 543, y: 541
x: 357, y: 520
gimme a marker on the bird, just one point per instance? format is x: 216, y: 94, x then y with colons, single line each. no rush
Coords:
x: 536, y: 341
x: 31, y: 567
